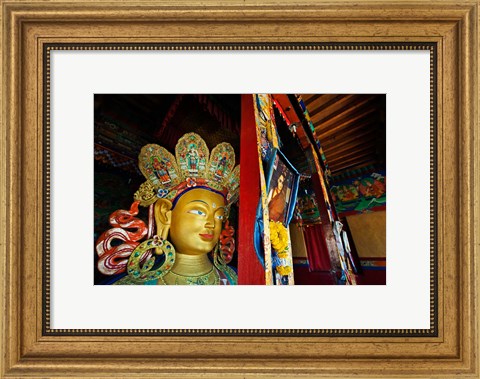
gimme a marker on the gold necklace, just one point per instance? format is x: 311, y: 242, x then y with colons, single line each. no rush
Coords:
x: 203, y: 279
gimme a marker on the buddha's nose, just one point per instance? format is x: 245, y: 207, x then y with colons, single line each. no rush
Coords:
x: 210, y: 223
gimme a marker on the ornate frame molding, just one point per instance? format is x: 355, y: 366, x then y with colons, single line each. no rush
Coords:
x: 29, y: 26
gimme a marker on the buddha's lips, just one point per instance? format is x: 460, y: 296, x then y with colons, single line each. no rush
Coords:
x: 207, y: 236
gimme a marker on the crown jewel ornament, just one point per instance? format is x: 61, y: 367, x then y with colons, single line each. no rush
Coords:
x: 192, y: 166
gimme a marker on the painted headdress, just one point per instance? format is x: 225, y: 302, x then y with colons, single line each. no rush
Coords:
x: 192, y: 167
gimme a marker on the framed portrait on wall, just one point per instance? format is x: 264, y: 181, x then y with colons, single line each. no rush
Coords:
x: 282, y: 185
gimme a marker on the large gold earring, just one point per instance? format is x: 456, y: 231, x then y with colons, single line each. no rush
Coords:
x: 143, y: 274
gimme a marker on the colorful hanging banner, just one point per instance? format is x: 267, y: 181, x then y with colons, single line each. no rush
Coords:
x: 307, y: 212
x: 263, y: 124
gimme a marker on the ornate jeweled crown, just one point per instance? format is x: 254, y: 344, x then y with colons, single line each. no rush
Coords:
x: 193, y: 166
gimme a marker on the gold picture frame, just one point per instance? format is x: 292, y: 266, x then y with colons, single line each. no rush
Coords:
x: 29, y: 26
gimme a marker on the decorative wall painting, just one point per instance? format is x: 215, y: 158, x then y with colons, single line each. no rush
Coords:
x: 360, y: 194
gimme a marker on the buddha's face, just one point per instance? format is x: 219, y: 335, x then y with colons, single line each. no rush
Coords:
x: 197, y: 222
x: 281, y: 179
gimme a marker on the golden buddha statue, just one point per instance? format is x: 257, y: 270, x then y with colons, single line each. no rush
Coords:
x: 191, y: 194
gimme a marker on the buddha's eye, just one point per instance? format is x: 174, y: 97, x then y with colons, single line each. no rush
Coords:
x: 219, y: 217
x: 197, y: 212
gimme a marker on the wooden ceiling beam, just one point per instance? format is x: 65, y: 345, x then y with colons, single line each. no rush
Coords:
x: 344, y: 113
x: 352, y: 166
x: 309, y: 98
x: 315, y: 110
x: 339, y: 162
x: 320, y: 103
x: 361, y: 134
x: 349, y: 149
x: 348, y: 156
x: 335, y: 138
x: 335, y: 128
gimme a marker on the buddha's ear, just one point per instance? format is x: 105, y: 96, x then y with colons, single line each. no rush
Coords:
x: 163, y: 217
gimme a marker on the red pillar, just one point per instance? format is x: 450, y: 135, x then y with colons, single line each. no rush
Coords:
x: 250, y: 270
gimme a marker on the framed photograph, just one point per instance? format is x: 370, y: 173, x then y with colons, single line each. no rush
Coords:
x: 282, y: 185
x: 58, y: 57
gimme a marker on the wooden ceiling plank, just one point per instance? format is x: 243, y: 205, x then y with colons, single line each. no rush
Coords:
x: 343, y: 113
x: 364, y: 135
x: 342, y: 125
x: 334, y: 138
x: 318, y: 110
x: 350, y: 149
x: 352, y: 166
x: 343, y: 162
x: 352, y: 155
x: 319, y: 103
x: 309, y: 98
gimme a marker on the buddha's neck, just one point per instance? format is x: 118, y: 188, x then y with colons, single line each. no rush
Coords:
x: 191, y: 265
